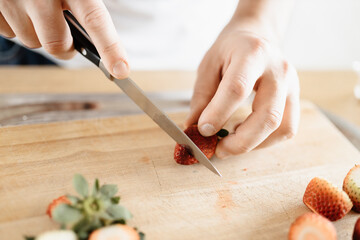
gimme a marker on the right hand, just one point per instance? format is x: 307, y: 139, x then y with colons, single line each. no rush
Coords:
x: 39, y: 23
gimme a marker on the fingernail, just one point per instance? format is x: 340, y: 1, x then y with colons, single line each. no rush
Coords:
x: 121, y: 69
x: 207, y: 129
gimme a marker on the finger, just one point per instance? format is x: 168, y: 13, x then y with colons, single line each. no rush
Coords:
x: 236, y: 86
x: 5, y: 29
x: 268, y: 107
x: 290, y: 122
x: 208, y: 79
x: 20, y: 23
x: 95, y: 18
x: 51, y: 28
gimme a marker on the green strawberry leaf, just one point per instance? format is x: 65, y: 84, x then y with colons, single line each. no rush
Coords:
x: 29, y: 238
x: 222, y: 133
x: 96, y: 187
x: 74, y: 200
x: 142, y: 235
x: 108, y: 190
x: 80, y: 184
x: 119, y: 212
x: 106, y: 216
x: 66, y: 214
x: 115, y: 200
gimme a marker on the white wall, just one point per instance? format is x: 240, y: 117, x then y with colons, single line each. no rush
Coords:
x: 324, y: 34
x: 175, y: 34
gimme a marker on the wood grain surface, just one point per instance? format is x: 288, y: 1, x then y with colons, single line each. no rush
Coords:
x: 258, y: 197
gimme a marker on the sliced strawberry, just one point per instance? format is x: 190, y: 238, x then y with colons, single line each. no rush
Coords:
x: 356, y: 234
x: 55, y: 203
x: 114, y: 232
x: 206, y: 144
x: 352, y: 186
x: 327, y: 200
x: 312, y: 226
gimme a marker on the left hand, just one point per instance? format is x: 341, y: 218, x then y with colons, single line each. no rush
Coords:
x: 238, y: 63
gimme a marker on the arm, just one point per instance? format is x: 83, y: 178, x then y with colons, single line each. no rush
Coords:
x: 246, y: 57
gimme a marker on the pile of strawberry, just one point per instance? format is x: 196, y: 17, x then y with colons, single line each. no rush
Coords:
x: 93, y: 215
x: 328, y: 203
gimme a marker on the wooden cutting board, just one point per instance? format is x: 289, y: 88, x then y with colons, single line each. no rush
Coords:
x: 258, y: 197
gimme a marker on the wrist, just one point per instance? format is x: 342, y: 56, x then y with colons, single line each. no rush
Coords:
x: 256, y: 26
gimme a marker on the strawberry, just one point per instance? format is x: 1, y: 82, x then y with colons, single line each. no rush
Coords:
x: 327, y: 200
x: 356, y: 234
x: 113, y: 232
x: 206, y: 144
x: 57, y: 235
x: 312, y: 226
x: 55, y: 203
x: 352, y: 186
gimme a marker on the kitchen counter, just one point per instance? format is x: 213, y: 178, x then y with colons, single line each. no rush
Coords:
x: 332, y: 90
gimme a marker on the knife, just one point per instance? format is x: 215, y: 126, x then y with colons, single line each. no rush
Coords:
x: 83, y: 44
x: 350, y: 131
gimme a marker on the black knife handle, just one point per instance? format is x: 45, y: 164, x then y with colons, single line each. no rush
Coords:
x: 82, y: 40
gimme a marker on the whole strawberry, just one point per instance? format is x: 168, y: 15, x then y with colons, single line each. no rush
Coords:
x: 312, y: 226
x: 356, y: 234
x: 327, y: 200
x: 352, y: 186
x: 206, y: 144
x: 55, y: 203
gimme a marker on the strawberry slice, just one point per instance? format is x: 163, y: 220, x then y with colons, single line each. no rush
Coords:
x: 327, y: 200
x: 312, y: 226
x: 55, y: 203
x: 351, y: 186
x: 206, y: 144
x: 113, y: 232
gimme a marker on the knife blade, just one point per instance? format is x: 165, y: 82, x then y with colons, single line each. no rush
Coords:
x: 349, y: 130
x: 84, y: 45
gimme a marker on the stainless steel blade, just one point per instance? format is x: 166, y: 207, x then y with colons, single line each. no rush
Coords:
x: 158, y: 116
x: 350, y: 131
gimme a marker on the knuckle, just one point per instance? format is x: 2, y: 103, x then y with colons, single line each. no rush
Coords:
x: 243, y: 149
x: 289, y: 132
x: 273, y: 119
x: 95, y: 18
x: 257, y: 45
x: 5, y: 3
x: 113, y: 47
x: 237, y: 85
x: 285, y: 67
x: 56, y: 47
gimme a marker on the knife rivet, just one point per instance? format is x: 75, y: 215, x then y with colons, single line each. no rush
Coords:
x: 83, y: 51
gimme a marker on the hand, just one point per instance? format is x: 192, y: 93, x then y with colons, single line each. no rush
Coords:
x: 238, y: 63
x: 39, y: 23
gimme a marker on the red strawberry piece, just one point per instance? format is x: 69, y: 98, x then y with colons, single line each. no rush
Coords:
x: 327, y: 200
x: 55, y: 203
x: 312, y: 226
x: 206, y: 144
x: 356, y: 234
x: 352, y: 186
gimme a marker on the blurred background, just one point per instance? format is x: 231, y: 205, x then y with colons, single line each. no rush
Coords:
x: 174, y: 35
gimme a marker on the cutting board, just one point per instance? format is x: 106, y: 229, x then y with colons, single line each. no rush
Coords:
x: 259, y: 196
